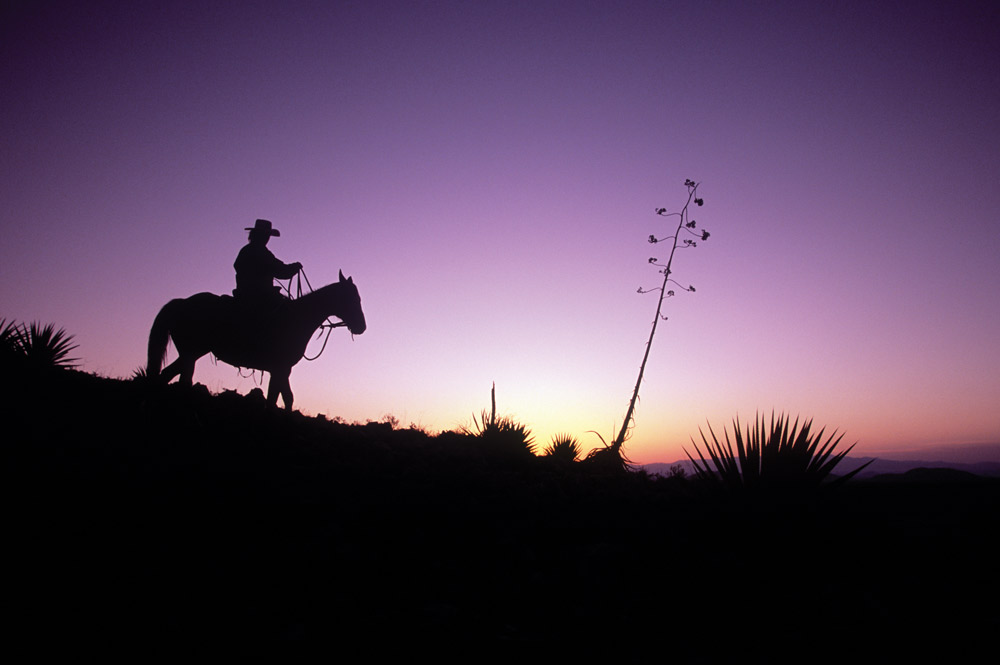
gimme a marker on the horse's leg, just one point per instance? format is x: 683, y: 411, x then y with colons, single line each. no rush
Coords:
x: 286, y: 392
x: 184, y: 366
x: 170, y: 371
x: 187, y: 371
x: 278, y: 385
x: 273, y: 388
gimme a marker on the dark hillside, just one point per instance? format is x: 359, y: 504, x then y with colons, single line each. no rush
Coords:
x: 171, y: 522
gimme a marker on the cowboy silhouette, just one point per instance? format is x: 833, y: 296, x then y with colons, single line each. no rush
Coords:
x: 257, y: 268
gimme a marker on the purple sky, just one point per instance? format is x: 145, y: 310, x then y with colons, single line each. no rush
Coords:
x: 488, y: 171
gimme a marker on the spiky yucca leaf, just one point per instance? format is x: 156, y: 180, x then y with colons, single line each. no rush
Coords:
x: 11, y: 343
x: 768, y: 456
x: 11, y: 335
x: 45, y: 347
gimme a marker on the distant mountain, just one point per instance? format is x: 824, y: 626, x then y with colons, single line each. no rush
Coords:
x: 880, y: 467
x: 883, y: 466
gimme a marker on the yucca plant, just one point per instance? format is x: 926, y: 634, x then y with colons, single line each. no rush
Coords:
x: 768, y: 456
x: 46, y: 347
x: 501, y: 434
x: 564, y: 448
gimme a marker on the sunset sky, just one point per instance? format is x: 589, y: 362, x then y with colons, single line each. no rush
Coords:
x: 488, y: 173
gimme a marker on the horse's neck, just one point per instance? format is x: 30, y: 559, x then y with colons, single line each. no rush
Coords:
x: 322, y: 303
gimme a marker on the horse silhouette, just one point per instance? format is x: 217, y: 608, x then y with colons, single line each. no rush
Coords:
x: 221, y: 325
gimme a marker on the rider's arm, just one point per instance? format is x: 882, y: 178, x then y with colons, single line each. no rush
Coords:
x: 286, y: 270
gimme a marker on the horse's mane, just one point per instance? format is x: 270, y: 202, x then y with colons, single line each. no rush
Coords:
x: 326, y: 291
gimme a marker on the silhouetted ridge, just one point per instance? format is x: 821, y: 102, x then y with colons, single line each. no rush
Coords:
x: 170, y: 519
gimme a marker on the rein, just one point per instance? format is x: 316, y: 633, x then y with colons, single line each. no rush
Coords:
x: 328, y: 324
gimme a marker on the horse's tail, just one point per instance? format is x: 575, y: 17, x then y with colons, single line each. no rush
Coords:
x: 159, y: 335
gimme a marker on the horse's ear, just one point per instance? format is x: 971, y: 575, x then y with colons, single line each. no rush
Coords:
x: 341, y: 275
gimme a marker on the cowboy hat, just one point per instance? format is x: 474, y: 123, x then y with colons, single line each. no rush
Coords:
x: 263, y: 227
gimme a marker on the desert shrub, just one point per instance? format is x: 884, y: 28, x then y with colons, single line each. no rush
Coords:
x: 500, y: 434
x: 44, y: 346
x: 563, y: 448
x: 771, y: 456
x: 36, y: 346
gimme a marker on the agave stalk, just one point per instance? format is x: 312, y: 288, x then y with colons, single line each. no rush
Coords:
x: 765, y: 455
x: 684, y: 224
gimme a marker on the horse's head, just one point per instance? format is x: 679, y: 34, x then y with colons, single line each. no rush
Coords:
x: 352, y: 314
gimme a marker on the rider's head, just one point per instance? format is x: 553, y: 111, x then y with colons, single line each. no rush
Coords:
x: 262, y: 231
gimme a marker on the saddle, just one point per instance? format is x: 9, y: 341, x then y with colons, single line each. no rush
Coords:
x: 255, y: 312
